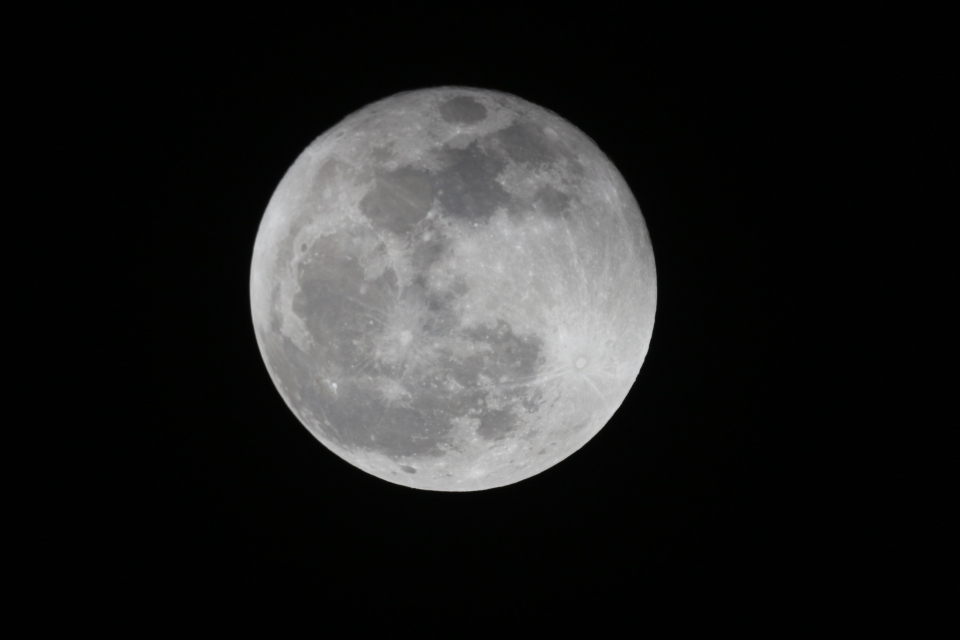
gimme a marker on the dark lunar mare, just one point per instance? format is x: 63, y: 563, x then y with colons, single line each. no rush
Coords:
x: 467, y: 187
x: 399, y: 199
x: 463, y: 110
x: 552, y: 202
x: 526, y: 142
x: 346, y: 315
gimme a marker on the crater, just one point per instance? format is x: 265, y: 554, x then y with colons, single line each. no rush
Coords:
x: 407, y: 469
x: 462, y: 110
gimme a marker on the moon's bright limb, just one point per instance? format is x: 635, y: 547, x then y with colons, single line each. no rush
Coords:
x: 453, y: 289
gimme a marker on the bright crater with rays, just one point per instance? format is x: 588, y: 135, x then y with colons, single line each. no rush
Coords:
x: 453, y: 289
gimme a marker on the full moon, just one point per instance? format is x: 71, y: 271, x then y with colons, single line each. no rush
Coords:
x: 453, y: 289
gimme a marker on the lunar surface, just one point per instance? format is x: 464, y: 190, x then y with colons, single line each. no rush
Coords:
x: 453, y: 289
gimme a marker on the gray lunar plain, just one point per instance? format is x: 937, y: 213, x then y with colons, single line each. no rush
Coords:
x: 453, y: 289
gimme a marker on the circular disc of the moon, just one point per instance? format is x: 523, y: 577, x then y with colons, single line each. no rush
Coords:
x: 453, y: 289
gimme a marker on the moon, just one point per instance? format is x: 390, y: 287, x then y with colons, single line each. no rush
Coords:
x: 453, y: 289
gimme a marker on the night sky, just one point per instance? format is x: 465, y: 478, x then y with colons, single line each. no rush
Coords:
x: 774, y: 449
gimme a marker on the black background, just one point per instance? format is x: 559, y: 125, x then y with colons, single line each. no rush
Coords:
x: 776, y: 454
